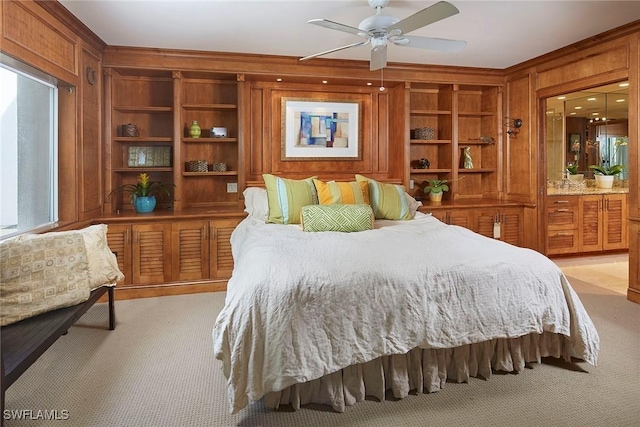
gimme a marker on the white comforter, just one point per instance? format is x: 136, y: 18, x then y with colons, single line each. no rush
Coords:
x: 302, y: 305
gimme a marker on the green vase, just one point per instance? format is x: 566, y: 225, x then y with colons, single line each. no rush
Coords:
x: 194, y: 130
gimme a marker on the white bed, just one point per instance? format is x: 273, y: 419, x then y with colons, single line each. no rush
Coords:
x: 333, y: 317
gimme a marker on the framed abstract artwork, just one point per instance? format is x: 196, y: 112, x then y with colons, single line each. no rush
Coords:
x: 313, y: 129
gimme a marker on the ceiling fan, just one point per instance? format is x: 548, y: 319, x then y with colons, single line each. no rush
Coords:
x: 379, y: 29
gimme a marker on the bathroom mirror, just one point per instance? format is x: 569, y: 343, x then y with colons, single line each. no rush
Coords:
x: 585, y: 128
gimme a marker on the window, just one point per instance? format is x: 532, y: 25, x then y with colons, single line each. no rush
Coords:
x: 28, y: 149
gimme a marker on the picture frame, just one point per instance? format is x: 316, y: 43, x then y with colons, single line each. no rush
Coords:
x: 320, y: 129
x: 574, y: 143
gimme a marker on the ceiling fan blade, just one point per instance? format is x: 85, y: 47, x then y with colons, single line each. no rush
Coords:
x: 338, y: 26
x: 424, y: 17
x: 433, y: 43
x: 378, y: 58
x: 335, y: 50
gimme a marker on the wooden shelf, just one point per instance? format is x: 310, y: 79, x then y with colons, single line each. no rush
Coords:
x: 129, y: 139
x: 429, y: 112
x: 430, y: 141
x: 476, y: 113
x: 429, y: 171
x: 143, y: 109
x: 144, y: 169
x: 195, y: 107
x: 476, y: 170
x: 474, y: 142
x: 208, y: 140
x: 210, y: 173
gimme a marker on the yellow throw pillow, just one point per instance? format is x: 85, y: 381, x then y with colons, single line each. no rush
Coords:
x: 387, y: 200
x: 345, y: 193
x: 287, y: 196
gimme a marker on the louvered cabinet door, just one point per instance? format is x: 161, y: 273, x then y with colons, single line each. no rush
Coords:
x: 190, y: 253
x: 151, y: 253
x: 220, y: 247
x: 590, y: 226
x: 511, y: 226
x: 119, y: 241
x: 615, y: 222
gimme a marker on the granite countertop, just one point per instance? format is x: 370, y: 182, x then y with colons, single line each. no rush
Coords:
x: 580, y: 191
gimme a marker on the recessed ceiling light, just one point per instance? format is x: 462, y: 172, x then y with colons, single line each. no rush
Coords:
x: 573, y: 113
x: 591, y: 99
x: 578, y: 108
x: 562, y: 97
x: 620, y: 100
x: 325, y: 82
x: 623, y: 84
x: 604, y: 119
x: 595, y: 114
x: 369, y: 83
x: 278, y: 79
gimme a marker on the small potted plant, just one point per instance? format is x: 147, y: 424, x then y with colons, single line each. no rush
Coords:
x: 435, y: 188
x: 143, y: 193
x: 573, y: 174
x: 605, y: 174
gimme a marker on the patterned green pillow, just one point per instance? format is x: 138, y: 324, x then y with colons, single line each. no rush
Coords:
x: 344, y: 218
x: 387, y: 200
x: 287, y: 196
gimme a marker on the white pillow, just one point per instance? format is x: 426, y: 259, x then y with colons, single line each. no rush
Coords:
x: 413, y: 203
x: 256, y: 202
x: 103, y: 264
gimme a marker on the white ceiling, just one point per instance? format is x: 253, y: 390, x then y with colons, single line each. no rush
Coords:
x: 499, y: 33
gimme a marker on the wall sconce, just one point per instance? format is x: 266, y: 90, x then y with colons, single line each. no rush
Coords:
x: 513, y: 127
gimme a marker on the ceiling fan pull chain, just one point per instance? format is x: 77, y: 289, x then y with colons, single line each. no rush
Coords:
x: 381, y: 79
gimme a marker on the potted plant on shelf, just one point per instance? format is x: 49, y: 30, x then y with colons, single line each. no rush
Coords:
x: 435, y: 188
x: 573, y: 174
x: 143, y: 192
x: 605, y: 174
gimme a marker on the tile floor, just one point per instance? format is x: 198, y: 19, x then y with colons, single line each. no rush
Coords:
x: 607, y: 271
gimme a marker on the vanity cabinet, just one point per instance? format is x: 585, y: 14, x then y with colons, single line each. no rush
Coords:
x: 586, y: 223
x: 562, y: 225
x: 603, y: 224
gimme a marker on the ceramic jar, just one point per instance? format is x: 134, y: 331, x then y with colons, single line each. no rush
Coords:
x: 194, y: 130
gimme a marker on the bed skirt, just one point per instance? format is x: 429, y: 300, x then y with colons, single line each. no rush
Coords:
x: 422, y: 370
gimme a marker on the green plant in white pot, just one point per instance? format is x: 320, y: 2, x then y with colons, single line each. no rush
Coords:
x: 605, y: 174
x: 435, y: 188
x: 572, y: 171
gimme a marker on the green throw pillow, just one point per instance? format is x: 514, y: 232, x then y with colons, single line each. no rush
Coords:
x: 344, y: 218
x: 387, y: 200
x: 287, y: 196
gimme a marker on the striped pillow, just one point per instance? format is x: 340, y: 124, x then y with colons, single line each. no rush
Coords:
x: 287, y: 196
x: 347, y: 193
x: 387, y: 200
x: 342, y: 218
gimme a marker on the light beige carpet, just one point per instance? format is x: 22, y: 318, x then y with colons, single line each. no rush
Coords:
x: 157, y: 369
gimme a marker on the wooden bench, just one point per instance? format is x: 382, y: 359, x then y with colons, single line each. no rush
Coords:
x: 23, y: 342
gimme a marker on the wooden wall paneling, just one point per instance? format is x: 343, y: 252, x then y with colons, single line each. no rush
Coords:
x: 91, y: 172
x: 258, y: 127
x: 107, y: 133
x: 68, y: 154
x: 633, y: 293
x: 36, y: 38
x: 591, y: 62
x: 243, y: 93
x: 178, y: 191
x: 336, y: 169
x: 519, y: 150
x: 291, y: 68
